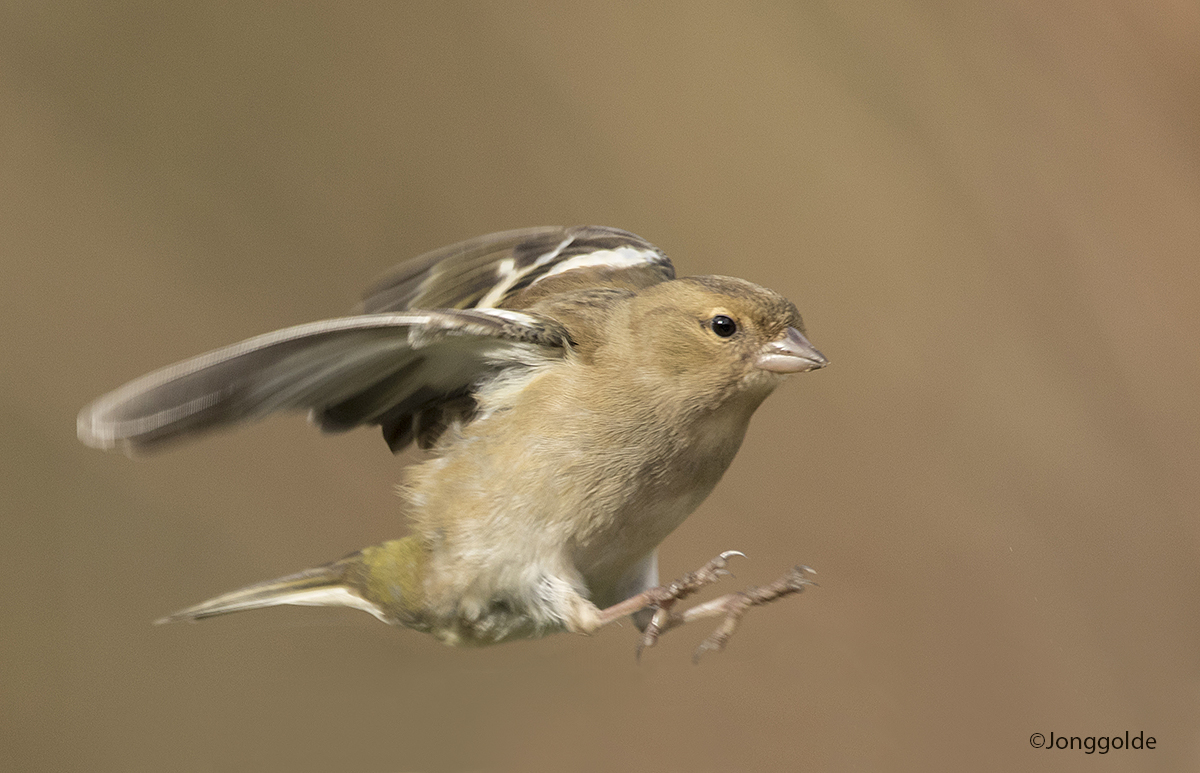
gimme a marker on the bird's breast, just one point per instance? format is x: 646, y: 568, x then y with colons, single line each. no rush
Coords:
x: 555, y: 480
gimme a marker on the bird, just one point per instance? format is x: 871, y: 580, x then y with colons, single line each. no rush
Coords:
x: 574, y: 400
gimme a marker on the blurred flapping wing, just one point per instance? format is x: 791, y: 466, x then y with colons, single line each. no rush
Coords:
x: 411, y: 373
x: 430, y: 332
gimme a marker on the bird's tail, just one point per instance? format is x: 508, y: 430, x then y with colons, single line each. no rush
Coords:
x: 324, y: 586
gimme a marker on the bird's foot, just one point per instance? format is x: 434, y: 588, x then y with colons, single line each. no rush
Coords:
x: 733, y: 606
x: 663, y: 598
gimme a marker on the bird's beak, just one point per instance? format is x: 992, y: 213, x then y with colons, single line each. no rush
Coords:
x: 790, y: 353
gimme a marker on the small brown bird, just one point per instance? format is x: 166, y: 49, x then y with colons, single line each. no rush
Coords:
x: 578, y: 402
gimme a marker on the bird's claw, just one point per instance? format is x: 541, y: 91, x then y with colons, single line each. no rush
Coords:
x: 732, y: 606
x: 666, y: 596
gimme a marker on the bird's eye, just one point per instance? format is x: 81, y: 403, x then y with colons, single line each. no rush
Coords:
x: 723, y: 326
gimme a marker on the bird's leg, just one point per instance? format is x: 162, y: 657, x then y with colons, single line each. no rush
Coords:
x: 664, y: 596
x: 733, y: 606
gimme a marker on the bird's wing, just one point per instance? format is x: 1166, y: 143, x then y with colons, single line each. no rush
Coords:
x: 491, y: 271
x: 408, y: 372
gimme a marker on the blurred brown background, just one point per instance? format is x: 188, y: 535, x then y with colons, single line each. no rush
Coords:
x: 988, y: 213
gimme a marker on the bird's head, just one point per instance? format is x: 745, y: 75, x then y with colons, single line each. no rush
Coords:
x: 718, y: 336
